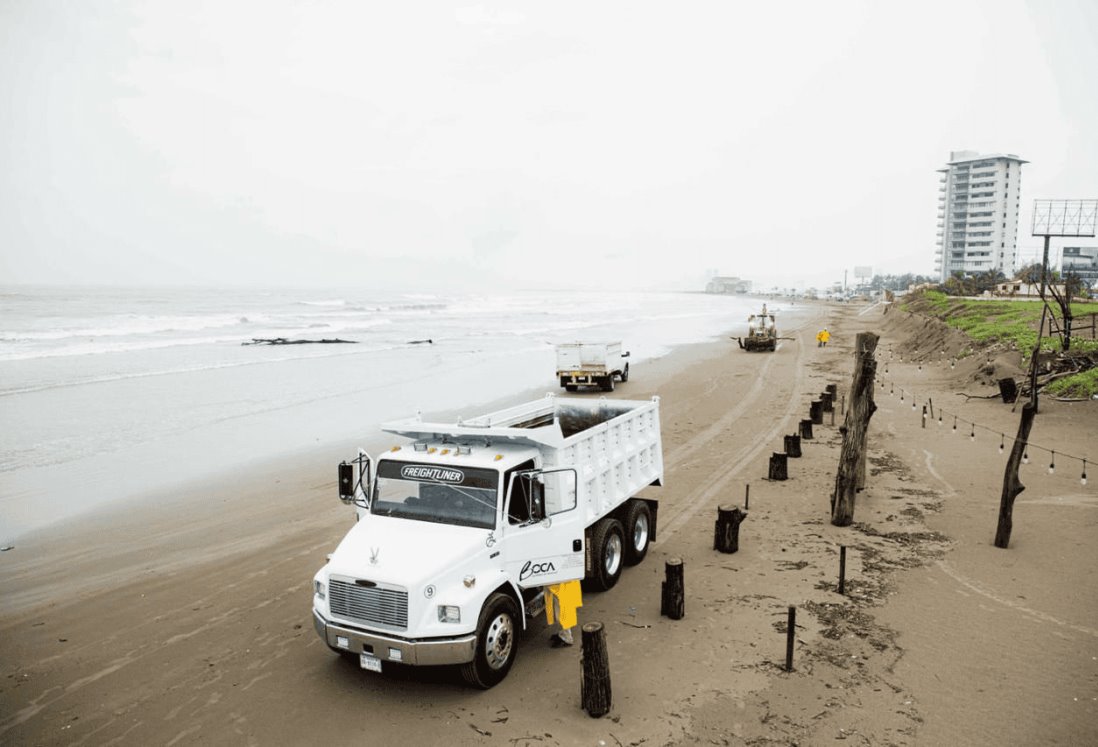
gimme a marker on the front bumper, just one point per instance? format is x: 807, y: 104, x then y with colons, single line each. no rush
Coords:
x: 429, y: 652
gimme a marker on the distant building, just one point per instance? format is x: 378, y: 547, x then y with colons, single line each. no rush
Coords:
x: 1022, y: 289
x: 978, y: 213
x: 1083, y: 261
x: 727, y: 284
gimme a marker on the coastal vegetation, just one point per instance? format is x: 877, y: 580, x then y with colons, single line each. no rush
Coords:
x: 1014, y: 324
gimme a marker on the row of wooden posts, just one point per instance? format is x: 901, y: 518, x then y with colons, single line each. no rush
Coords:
x: 595, y: 689
x: 779, y: 460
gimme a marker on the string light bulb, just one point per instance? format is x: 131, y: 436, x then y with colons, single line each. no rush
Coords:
x: 1083, y: 479
x: 912, y: 403
x: 1025, y: 456
x: 939, y: 418
x: 1002, y: 443
x: 1052, y: 464
x: 954, y: 423
x: 972, y: 435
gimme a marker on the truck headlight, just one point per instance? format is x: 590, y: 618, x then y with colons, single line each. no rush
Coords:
x: 321, y: 591
x: 449, y: 613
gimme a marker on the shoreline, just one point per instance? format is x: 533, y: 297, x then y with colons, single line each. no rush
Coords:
x: 186, y: 608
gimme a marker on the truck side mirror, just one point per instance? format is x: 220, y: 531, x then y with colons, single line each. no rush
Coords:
x: 625, y: 354
x: 346, y: 482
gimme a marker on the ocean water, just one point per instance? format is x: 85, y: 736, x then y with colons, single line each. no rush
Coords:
x: 108, y: 394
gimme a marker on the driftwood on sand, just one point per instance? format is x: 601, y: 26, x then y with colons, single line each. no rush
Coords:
x: 285, y: 341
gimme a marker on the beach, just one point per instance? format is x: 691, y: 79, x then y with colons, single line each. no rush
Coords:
x: 184, y: 618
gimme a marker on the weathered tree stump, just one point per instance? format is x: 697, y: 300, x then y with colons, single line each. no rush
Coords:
x: 1012, y: 485
x: 595, y: 693
x: 851, y: 473
x: 828, y: 402
x: 1008, y: 390
x: 726, y: 530
x: 779, y: 466
x: 806, y: 430
x: 793, y: 446
x: 673, y: 592
x: 815, y: 412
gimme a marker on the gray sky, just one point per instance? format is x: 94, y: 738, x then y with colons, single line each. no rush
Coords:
x: 634, y: 144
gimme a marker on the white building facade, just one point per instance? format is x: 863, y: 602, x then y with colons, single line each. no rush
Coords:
x: 978, y: 204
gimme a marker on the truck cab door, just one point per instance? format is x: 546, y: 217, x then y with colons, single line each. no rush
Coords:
x: 544, y: 527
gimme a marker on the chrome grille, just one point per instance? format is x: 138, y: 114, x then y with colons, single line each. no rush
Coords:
x: 369, y: 604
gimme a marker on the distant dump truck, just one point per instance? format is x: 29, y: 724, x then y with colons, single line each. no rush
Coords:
x: 459, y: 532
x: 762, y: 332
x: 591, y: 364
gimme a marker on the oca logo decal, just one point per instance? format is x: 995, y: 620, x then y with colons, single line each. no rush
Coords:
x: 535, y: 569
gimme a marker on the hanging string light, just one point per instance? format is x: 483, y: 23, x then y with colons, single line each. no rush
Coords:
x: 1083, y: 479
x: 912, y: 403
x: 939, y: 418
x: 954, y: 423
x: 972, y: 436
x: 1052, y: 464
x: 1025, y: 456
x: 1002, y: 442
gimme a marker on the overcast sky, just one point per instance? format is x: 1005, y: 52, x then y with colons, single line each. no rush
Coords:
x: 629, y: 144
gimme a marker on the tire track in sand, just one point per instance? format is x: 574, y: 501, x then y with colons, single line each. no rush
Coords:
x: 718, y: 483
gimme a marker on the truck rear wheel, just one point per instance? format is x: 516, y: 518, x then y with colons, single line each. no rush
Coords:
x: 609, y: 545
x: 608, y: 383
x: 638, y: 531
x: 497, y: 643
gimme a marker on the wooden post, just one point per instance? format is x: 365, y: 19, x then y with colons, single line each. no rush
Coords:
x: 828, y: 402
x: 842, y: 407
x: 673, y: 592
x: 1012, y: 484
x: 815, y: 412
x: 924, y: 416
x: 1008, y: 390
x: 833, y: 390
x: 806, y: 430
x: 851, y: 470
x: 595, y: 693
x: 747, y: 496
x: 790, y: 632
x: 793, y: 446
x: 842, y: 569
x: 779, y: 467
x: 726, y: 530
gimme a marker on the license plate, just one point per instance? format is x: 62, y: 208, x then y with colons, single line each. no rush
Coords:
x: 370, y: 662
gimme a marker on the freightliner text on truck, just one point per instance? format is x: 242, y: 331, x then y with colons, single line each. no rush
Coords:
x: 459, y: 531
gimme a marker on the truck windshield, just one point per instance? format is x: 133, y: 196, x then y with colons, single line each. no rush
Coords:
x: 463, y: 496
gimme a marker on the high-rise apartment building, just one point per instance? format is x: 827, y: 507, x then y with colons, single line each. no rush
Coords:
x: 978, y: 213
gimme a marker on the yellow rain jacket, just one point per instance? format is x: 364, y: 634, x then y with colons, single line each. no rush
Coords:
x: 823, y: 336
x: 570, y: 598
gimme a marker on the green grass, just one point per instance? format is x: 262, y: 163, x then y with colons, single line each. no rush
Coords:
x: 1012, y: 323
x: 1078, y: 386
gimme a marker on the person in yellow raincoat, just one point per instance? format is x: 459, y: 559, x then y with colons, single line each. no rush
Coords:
x: 822, y: 337
x: 564, y: 599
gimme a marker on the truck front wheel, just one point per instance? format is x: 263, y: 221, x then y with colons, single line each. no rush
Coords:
x: 638, y: 530
x: 609, y: 545
x: 497, y: 643
x: 625, y: 374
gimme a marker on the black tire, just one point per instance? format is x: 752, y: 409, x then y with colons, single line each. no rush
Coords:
x: 608, y: 542
x: 608, y: 383
x: 625, y: 374
x: 497, y: 643
x: 570, y: 387
x: 638, y: 531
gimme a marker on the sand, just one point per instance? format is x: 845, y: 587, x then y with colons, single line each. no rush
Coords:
x: 185, y: 619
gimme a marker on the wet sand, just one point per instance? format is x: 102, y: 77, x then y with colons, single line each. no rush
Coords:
x: 188, y: 622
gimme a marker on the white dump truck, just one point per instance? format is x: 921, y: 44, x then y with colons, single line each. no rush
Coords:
x: 459, y: 531
x: 591, y: 364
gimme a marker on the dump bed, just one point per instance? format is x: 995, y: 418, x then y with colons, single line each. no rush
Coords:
x: 581, y: 356
x: 614, y: 445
